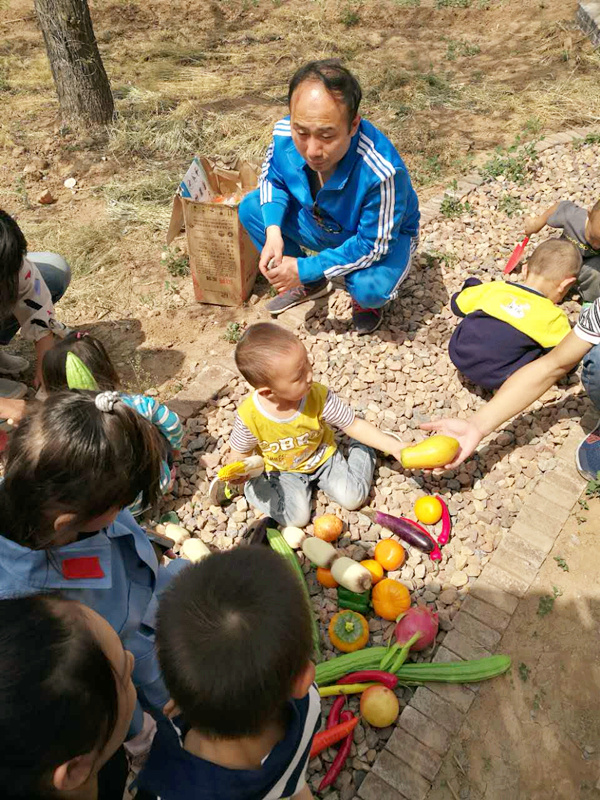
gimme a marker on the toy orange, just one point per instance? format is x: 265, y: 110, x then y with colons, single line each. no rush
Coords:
x: 326, y: 579
x: 389, y: 553
x: 428, y: 510
x: 374, y: 568
x: 348, y: 631
x: 390, y: 599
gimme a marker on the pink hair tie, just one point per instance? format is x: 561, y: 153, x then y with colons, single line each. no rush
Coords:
x: 81, y: 334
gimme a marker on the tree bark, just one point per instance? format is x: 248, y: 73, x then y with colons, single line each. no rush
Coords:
x: 81, y: 82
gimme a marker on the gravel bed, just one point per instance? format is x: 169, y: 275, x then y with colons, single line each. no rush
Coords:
x: 398, y: 378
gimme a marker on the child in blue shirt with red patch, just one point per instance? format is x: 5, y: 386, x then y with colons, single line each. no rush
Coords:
x: 75, y: 461
x: 235, y: 645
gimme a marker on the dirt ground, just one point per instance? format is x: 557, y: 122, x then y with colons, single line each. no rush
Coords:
x: 535, y: 735
x: 448, y: 81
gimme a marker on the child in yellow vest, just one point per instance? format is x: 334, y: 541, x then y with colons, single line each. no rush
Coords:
x: 288, y: 420
x: 507, y: 325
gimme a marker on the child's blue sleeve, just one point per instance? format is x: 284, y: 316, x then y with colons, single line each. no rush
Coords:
x: 164, y: 419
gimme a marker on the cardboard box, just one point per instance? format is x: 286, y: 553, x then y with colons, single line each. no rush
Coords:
x: 223, y: 260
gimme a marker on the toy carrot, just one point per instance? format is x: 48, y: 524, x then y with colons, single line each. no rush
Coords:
x: 342, y: 754
x: 326, y: 738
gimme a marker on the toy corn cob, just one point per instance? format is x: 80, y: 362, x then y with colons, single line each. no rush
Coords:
x: 250, y: 467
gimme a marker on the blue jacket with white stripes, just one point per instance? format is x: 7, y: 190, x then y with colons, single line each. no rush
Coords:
x: 369, y: 199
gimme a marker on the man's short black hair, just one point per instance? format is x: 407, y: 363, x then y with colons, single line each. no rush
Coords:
x: 338, y: 81
x: 234, y: 632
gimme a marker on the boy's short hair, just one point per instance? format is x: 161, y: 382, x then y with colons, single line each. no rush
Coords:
x: 555, y: 259
x: 594, y: 214
x: 234, y: 632
x: 259, y: 350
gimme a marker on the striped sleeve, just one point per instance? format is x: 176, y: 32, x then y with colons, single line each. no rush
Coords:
x: 336, y: 412
x: 167, y: 421
x: 242, y: 439
x: 588, y: 325
x: 381, y: 216
x: 293, y: 779
x: 274, y: 197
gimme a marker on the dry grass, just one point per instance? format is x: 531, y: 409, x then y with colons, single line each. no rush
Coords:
x: 143, y: 199
x: 440, y: 108
x: 88, y: 248
x: 447, y: 84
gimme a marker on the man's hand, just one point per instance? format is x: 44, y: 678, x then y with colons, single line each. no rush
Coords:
x: 41, y: 348
x: 285, y: 276
x: 533, y: 225
x: 465, y: 431
x: 12, y: 409
x: 273, y: 249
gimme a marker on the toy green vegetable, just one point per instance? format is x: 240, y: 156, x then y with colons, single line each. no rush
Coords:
x: 355, y: 601
x: 78, y: 375
x: 451, y: 672
x: 279, y: 544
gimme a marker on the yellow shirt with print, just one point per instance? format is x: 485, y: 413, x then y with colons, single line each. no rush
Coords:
x: 300, y: 443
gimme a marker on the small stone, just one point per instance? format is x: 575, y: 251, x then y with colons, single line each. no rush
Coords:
x: 448, y: 596
x: 70, y: 183
x: 459, y: 579
x: 46, y: 198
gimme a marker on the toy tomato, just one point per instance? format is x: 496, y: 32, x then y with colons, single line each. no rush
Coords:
x: 348, y: 631
x: 389, y: 553
x: 428, y: 510
x: 326, y: 579
x: 374, y: 568
x: 390, y: 599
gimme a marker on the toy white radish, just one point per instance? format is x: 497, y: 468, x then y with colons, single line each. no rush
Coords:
x: 293, y: 536
x: 351, y: 575
x: 319, y: 552
x: 175, y: 532
x: 194, y: 550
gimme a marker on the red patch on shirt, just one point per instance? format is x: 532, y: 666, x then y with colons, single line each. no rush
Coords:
x: 84, y: 567
x: 28, y: 275
x: 593, y: 438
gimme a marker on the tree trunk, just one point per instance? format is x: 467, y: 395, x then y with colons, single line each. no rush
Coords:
x: 82, y: 85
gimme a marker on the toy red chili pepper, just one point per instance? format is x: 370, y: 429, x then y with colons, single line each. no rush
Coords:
x: 446, y: 523
x: 435, y: 554
x: 330, y: 736
x: 378, y: 675
x: 342, y: 754
x: 336, y: 709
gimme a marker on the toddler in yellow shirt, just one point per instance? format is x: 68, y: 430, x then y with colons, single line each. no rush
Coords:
x: 288, y: 419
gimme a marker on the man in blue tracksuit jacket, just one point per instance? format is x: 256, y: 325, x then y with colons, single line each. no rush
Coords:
x: 332, y: 183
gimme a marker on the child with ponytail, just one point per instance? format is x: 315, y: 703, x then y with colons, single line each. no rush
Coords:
x: 80, y: 361
x: 75, y: 461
